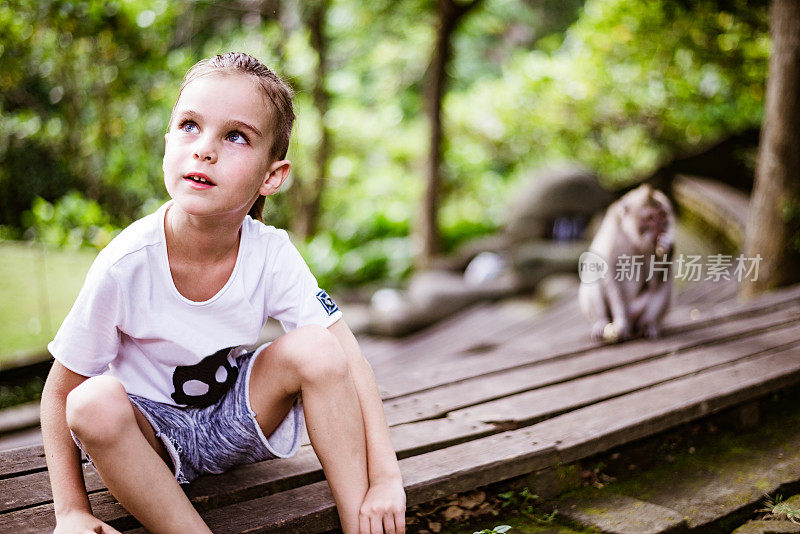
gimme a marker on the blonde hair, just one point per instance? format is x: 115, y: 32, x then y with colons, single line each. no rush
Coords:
x: 276, y: 90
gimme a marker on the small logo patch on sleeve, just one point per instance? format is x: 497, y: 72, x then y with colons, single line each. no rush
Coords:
x: 327, y: 302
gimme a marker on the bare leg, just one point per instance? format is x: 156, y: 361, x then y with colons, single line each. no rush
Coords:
x: 108, y: 426
x: 310, y: 361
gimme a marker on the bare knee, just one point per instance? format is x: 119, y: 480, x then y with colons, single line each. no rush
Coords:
x: 98, y: 410
x: 314, y: 354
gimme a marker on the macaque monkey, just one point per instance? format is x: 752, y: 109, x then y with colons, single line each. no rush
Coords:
x: 639, y: 225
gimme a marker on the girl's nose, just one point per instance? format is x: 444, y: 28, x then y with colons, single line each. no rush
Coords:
x: 205, y: 152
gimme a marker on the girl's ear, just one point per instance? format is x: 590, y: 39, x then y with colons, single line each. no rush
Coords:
x: 278, y: 172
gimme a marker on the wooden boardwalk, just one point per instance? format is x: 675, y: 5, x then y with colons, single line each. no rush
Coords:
x: 488, y: 395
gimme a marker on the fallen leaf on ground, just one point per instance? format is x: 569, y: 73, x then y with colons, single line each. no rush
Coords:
x: 471, y: 500
x: 453, y: 512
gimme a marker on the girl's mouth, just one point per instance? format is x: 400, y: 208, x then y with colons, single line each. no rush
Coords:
x: 199, y: 180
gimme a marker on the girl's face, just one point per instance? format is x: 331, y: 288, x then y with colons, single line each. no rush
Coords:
x: 217, y: 153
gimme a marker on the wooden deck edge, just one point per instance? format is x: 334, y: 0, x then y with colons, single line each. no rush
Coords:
x: 467, y: 465
x: 663, y: 422
x: 729, y: 394
x: 718, y: 204
x: 255, y: 480
x: 426, y: 477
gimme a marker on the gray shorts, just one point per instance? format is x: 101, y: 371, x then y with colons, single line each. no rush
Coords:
x: 216, y: 438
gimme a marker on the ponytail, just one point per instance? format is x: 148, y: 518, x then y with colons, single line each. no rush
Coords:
x: 257, y: 209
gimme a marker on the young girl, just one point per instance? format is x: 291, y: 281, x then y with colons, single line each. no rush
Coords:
x: 151, y: 378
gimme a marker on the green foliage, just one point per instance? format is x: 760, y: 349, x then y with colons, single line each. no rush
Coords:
x: 523, y: 501
x: 790, y: 211
x: 73, y: 221
x: 632, y: 83
x: 780, y: 509
x: 21, y: 393
x: 498, y: 529
x: 351, y: 254
x: 84, y: 88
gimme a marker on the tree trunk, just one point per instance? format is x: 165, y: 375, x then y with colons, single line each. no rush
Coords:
x: 450, y: 13
x: 773, y: 229
x: 306, y: 191
x: 310, y: 192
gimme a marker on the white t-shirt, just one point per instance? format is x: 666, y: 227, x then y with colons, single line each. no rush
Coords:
x: 131, y: 322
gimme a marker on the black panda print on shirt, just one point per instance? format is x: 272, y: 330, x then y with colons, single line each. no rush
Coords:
x: 204, y: 383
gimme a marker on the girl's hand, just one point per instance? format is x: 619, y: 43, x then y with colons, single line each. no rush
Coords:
x: 383, y: 509
x: 82, y: 523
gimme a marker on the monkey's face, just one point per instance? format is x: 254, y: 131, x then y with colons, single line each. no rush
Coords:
x: 652, y: 221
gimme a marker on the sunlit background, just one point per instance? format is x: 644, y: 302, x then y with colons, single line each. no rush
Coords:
x: 617, y: 86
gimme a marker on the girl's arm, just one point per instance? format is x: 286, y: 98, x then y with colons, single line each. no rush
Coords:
x: 386, y: 484
x: 72, y: 509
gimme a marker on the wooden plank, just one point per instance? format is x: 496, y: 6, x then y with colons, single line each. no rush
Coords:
x: 707, y: 292
x: 532, y: 406
x: 601, y: 426
x: 480, y: 323
x: 539, y: 404
x: 571, y: 342
x: 416, y: 376
x: 34, y: 488
x: 720, y: 205
x: 711, y: 311
x: 540, y: 369
x: 26, y: 459
x: 760, y: 365
x: 311, y: 509
x: 377, y: 349
x: 679, y: 319
x: 41, y: 518
x: 241, y: 483
x: 230, y: 487
x: 461, y: 333
x: 21, y: 460
x: 443, y: 333
x: 18, y: 418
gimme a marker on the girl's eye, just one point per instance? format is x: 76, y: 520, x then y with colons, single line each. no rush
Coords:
x: 189, y: 126
x: 236, y: 137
